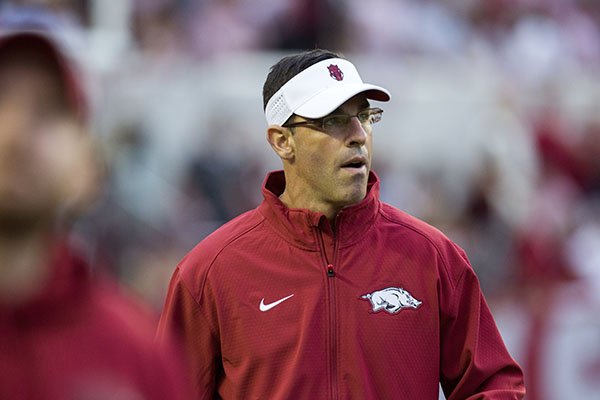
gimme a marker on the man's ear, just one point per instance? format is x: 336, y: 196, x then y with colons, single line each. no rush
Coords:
x: 282, y: 141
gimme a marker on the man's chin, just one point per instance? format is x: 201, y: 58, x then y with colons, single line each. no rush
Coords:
x: 354, y: 196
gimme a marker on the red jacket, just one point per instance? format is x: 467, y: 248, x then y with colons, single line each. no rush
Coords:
x: 82, y: 339
x: 276, y: 305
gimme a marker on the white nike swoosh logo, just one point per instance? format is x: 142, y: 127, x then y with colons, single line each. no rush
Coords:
x: 266, y: 307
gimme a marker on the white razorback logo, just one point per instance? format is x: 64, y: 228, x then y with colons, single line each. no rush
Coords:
x: 391, y: 299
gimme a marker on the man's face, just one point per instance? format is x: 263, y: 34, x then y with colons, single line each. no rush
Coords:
x: 333, y: 167
x: 40, y: 147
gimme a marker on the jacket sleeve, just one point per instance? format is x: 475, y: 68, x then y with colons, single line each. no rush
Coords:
x: 475, y: 363
x: 183, y: 321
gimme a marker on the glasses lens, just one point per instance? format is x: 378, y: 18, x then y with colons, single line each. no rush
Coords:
x: 370, y: 116
x: 366, y: 117
x: 375, y: 118
x: 375, y: 115
x: 335, y: 121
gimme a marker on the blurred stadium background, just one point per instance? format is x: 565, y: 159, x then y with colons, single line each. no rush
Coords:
x: 492, y: 135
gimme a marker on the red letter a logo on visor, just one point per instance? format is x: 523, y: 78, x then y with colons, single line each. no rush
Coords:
x: 335, y: 72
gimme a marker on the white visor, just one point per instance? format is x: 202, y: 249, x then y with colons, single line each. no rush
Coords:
x: 319, y: 90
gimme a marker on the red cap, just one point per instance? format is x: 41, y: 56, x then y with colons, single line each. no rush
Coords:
x: 47, y: 48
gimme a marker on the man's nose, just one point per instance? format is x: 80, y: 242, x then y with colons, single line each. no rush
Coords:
x: 357, y: 133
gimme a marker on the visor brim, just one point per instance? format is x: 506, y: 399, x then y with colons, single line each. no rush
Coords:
x: 330, y: 99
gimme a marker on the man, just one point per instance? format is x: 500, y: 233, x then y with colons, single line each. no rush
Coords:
x: 62, y: 334
x: 323, y: 291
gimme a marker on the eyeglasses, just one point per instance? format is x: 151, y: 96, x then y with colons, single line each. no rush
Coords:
x: 366, y: 117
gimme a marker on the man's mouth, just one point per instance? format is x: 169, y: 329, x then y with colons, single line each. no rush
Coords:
x: 356, y: 163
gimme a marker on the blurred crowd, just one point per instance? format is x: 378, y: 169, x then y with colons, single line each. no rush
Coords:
x: 492, y: 135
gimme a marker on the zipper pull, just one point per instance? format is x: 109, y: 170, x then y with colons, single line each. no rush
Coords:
x: 330, y: 271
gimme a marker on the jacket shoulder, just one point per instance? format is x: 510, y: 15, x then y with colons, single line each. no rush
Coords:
x: 452, y: 257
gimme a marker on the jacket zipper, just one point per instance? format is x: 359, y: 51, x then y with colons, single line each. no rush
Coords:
x: 330, y: 271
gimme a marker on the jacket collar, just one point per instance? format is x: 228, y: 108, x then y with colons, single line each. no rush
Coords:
x: 301, y: 226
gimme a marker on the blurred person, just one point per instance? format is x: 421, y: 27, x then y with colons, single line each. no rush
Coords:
x: 558, y: 259
x: 324, y: 291
x: 63, y: 334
